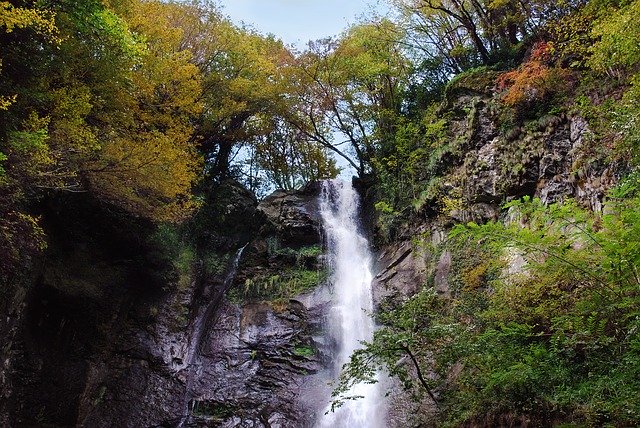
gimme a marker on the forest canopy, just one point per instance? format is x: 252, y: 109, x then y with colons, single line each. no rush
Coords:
x: 137, y: 102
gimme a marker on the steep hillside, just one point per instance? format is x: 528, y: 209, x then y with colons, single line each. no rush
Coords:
x: 508, y: 266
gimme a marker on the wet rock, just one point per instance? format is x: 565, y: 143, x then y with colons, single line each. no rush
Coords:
x: 482, y: 182
x: 478, y: 213
x: 253, y: 363
x: 441, y: 276
x: 401, y: 271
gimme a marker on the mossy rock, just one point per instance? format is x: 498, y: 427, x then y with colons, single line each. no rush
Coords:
x: 480, y: 80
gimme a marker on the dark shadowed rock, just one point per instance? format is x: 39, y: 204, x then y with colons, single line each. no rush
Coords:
x: 294, y: 216
x: 252, y: 366
x: 104, y: 342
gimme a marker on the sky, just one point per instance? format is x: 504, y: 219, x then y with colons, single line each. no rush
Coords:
x: 298, y: 21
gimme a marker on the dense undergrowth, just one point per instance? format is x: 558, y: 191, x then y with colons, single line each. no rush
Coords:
x: 291, y: 273
x: 539, y: 324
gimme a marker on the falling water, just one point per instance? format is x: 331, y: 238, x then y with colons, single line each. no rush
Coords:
x: 352, y: 300
x: 202, y: 322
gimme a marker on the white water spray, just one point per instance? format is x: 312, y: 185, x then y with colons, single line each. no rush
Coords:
x: 349, y: 260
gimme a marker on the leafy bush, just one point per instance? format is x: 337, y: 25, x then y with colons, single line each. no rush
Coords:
x: 174, y: 253
x: 534, y: 81
x: 618, y: 40
x: 542, y: 324
x: 278, y: 287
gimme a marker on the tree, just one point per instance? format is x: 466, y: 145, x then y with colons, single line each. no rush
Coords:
x: 21, y: 236
x: 150, y: 163
x: 243, y: 78
x: 467, y: 33
x: 38, y: 21
x: 289, y: 159
x: 353, y: 87
x: 106, y: 111
x: 618, y: 43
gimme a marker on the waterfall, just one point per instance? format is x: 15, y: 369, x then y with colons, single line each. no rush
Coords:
x: 202, y: 323
x: 350, y: 322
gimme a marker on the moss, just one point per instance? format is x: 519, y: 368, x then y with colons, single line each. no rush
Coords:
x: 475, y: 80
x: 304, y: 351
x: 100, y: 395
x: 301, y: 256
x: 282, y: 286
x: 215, y: 263
x: 475, y: 277
x: 214, y: 410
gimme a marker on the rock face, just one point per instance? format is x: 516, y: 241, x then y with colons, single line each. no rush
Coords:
x: 482, y: 168
x: 103, y: 340
x: 544, y: 161
x: 401, y: 271
x: 294, y: 217
x: 252, y: 367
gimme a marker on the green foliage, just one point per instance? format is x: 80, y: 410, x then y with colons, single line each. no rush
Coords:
x: 215, y: 264
x: 618, y: 42
x: 180, y: 260
x: 291, y: 271
x: 304, y: 351
x: 280, y: 287
x: 352, y: 88
x: 477, y: 79
x: 541, y: 325
x: 289, y: 159
x: 627, y: 123
x: 13, y: 18
x: 213, y: 410
x: 3, y: 158
x: 21, y: 239
x: 90, y: 113
x: 299, y: 254
x: 404, y: 170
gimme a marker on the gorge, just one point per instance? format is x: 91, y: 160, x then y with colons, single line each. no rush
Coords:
x: 177, y: 251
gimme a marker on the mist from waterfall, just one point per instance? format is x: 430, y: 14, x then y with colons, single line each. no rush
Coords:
x: 350, y: 322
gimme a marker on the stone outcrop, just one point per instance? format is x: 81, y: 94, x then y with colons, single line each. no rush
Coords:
x: 294, y: 217
x: 482, y: 168
x: 401, y: 271
x: 104, y: 341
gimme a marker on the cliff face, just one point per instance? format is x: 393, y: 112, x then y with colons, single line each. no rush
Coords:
x: 485, y: 164
x: 108, y: 335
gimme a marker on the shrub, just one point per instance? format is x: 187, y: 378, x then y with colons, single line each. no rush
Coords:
x: 534, y: 81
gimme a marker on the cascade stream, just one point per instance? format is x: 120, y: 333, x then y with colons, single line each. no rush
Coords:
x: 202, y: 323
x: 350, y: 322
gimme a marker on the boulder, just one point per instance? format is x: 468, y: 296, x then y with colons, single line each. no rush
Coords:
x: 294, y: 216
